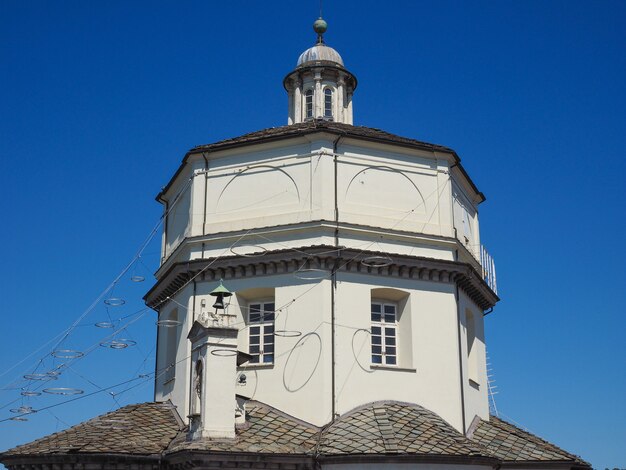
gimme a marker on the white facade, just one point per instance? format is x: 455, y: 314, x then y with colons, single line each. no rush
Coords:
x: 318, y: 190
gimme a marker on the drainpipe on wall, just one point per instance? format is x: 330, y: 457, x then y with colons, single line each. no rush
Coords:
x: 206, y: 185
x: 156, y: 358
x: 333, y: 286
x: 458, y: 321
x: 193, y: 320
x: 165, y: 224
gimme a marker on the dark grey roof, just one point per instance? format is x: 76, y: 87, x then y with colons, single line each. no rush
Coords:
x: 395, y: 428
x: 266, y: 431
x: 319, y: 125
x: 144, y: 429
x: 392, y: 429
x: 510, y: 443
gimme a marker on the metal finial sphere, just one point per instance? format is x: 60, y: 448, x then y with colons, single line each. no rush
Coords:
x: 320, y: 26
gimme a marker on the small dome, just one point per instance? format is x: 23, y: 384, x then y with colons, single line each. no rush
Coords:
x: 320, y: 52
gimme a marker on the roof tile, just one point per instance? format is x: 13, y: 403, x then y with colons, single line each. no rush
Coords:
x: 510, y: 443
x: 122, y: 432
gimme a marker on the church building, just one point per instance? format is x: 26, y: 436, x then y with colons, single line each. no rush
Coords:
x: 321, y: 301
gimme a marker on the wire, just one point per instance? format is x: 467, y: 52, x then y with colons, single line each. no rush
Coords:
x: 112, y: 285
x: 146, y: 377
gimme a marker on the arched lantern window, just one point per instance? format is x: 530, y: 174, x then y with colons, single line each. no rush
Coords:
x: 308, y: 101
x: 328, y: 103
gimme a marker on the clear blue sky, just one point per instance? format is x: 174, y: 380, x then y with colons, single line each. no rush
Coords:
x: 100, y: 101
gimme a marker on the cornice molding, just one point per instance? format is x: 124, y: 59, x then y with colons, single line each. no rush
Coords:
x: 333, y: 259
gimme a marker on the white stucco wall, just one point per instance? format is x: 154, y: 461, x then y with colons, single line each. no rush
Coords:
x: 474, y: 376
x: 286, y: 195
x: 175, y: 386
x: 405, y: 196
x: 428, y: 369
x: 299, y: 381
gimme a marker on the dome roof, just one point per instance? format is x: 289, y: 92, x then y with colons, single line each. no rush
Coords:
x: 319, y: 53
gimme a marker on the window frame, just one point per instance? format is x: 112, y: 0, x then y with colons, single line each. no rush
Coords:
x: 262, y: 329
x: 308, y: 104
x: 328, y: 103
x: 385, y: 329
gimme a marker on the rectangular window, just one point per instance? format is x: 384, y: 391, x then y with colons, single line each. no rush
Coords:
x: 328, y: 103
x: 384, y: 333
x: 261, y: 326
x: 309, y: 103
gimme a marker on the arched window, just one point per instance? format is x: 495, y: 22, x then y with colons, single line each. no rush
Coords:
x: 308, y: 101
x: 328, y: 103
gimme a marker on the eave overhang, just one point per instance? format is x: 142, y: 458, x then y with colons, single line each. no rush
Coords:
x: 311, y: 66
x: 316, y: 126
x: 331, y: 258
x: 80, y: 460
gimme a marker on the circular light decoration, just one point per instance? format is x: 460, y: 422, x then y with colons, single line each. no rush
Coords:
x: 168, y: 323
x: 67, y: 354
x: 30, y: 393
x: 114, y: 302
x: 312, y: 274
x: 105, y: 324
x: 224, y: 352
x: 377, y: 261
x: 40, y: 377
x: 248, y: 251
x: 23, y: 410
x: 63, y: 391
x: 137, y: 278
x: 121, y: 343
x: 287, y: 333
x: 53, y: 373
x: 18, y: 418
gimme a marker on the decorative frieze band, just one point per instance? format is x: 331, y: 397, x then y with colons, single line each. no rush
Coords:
x: 326, y: 258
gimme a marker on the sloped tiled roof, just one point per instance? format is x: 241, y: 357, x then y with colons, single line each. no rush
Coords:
x: 144, y: 429
x: 267, y: 431
x: 318, y: 125
x: 395, y: 428
x: 510, y: 443
x: 381, y: 428
x: 271, y: 134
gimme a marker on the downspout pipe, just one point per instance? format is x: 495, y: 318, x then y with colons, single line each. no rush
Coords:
x: 206, y: 189
x: 333, y: 287
x: 462, y: 382
x: 193, y: 320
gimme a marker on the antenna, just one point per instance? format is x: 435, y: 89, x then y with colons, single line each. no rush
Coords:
x: 491, y: 388
x: 320, y: 8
